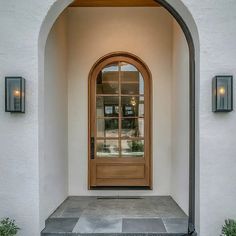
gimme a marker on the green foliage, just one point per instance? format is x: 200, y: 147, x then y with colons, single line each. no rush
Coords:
x: 8, y: 227
x: 136, y: 146
x: 229, y: 228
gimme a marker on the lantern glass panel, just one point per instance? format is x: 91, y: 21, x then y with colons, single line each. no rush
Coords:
x: 222, y: 94
x: 15, y: 93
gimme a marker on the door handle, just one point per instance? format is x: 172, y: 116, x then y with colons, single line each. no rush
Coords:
x: 92, y: 148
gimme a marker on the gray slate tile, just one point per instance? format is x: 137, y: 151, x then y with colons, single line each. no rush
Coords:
x: 143, y: 225
x: 93, y: 216
x: 176, y: 225
x: 60, y: 225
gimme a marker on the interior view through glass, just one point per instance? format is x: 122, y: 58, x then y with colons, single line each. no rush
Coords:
x: 120, y: 111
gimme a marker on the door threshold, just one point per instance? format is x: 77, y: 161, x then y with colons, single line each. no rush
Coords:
x: 120, y: 188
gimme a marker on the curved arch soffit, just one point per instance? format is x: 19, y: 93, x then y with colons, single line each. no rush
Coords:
x: 176, y: 8
x: 184, y: 18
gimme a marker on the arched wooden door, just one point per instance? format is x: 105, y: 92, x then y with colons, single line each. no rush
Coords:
x: 120, y: 122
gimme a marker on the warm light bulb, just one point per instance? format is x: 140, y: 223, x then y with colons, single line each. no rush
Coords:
x: 16, y: 93
x: 222, y: 91
x: 133, y: 102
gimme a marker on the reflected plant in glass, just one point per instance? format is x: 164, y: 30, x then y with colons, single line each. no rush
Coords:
x: 136, y: 146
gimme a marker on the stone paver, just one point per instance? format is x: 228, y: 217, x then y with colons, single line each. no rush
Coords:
x: 117, y: 216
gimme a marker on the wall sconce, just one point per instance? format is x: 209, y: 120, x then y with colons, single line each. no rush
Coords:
x: 222, y: 93
x: 15, y: 94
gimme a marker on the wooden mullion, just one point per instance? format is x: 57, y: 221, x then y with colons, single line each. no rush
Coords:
x: 108, y: 95
x: 120, y: 138
x: 119, y: 134
x: 108, y: 117
x: 110, y: 82
x: 108, y: 138
x: 132, y: 117
x: 117, y: 117
x: 129, y: 82
x: 132, y: 95
x: 132, y: 138
x: 134, y: 157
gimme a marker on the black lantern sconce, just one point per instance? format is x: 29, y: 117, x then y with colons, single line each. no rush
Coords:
x: 15, y: 94
x: 222, y: 93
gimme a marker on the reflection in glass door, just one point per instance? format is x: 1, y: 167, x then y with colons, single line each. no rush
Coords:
x: 120, y: 111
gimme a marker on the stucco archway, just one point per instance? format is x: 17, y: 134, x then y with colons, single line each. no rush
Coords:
x: 180, y: 12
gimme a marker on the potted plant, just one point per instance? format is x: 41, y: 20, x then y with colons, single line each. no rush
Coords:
x: 8, y: 227
x: 229, y: 228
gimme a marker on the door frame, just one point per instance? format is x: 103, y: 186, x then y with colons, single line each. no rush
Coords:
x: 142, y: 67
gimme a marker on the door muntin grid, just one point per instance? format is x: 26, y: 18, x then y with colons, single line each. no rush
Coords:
x: 120, y: 108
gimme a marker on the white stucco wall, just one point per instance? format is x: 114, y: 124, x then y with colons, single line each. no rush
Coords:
x: 180, y: 119
x: 19, y: 182
x: 54, y: 163
x: 216, y: 22
x: 94, y: 32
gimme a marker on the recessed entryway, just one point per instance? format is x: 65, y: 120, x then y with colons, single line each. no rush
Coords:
x: 117, y: 158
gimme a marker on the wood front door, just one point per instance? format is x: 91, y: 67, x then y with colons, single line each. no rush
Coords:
x: 119, y: 123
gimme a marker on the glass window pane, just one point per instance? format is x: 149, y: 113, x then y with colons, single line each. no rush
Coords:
x: 108, y: 80
x: 132, y: 128
x: 132, y: 106
x: 131, y: 80
x: 107, y: 106
x: 132, y: 148
x: 107, y: 128
x: 107, y: 148
x: 14, y: 95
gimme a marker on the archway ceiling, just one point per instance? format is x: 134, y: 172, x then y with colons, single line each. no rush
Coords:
x: 114, y: 3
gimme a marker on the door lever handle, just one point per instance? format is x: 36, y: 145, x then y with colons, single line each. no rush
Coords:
x: 92, y: 148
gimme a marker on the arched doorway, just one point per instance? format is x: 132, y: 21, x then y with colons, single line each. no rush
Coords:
x: 120, y: 122
x: 189, y: 38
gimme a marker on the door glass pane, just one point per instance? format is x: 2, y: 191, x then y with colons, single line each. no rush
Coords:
x: 132, y: 148
x: 132, y: 106
x: 107, y: 106
x: 132, y: 127
x: 107, y: 148
x: 120, y: 111
x: 108, y: 80
x: 131, y: 80
x: 107, y: 128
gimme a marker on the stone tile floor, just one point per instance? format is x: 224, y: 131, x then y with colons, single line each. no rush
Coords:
x: 117, y: 216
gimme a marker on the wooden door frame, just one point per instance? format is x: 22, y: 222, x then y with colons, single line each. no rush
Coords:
x: 143, y: 68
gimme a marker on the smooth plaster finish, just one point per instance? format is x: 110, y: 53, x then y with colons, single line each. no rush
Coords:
x: 216, y: 23
x: 180, y: 119
x: 92, y: 215
x: 95, y: 32
x: 54, y: 164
